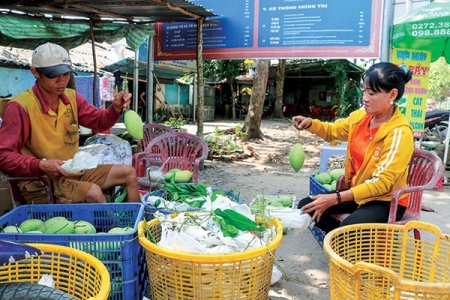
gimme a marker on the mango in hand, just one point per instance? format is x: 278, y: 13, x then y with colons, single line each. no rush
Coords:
x: 297, y: 157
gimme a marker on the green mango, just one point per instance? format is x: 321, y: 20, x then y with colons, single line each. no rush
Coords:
x: 323, y: 178
x: 12, y: 229
x: 31, y: 225
x: 297, y: 157
x: 84, y: 227
x: 133, y: 124
x: 336, y: 173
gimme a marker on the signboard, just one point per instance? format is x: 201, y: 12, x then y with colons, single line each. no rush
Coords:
x: 277, y: 29
x: 185, y: 66
x: 414, y: 100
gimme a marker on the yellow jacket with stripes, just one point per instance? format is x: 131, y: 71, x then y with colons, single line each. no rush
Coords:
x: 385, y: 165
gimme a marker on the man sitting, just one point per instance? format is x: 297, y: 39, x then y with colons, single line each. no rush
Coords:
x: 40, y: 131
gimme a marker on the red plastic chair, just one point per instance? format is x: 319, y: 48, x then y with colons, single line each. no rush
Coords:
x: 316, y: 112
x: 333, y: 112
x: 325, y: 115
x: 179, y: 150
x: 150, y: 132
x: 17, y: 197
x: 424, y: 171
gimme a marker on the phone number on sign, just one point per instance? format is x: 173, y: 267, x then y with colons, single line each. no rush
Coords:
x: 423, y: 26
x: 436, y: 32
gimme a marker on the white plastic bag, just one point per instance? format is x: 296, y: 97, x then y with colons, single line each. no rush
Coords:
x: 47, y: 280
x: 122, y: 149
x: 276, y: 275
x: 81, y: 161
x: 291, y: 218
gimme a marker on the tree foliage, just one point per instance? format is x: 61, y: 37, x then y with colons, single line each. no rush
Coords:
x: 218, y: 70
x: 347, y: 92
x: 439, y: 82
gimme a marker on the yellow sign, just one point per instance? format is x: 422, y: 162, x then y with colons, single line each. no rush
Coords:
x: 414, y: 101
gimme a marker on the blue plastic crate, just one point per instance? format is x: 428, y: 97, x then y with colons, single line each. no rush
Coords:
x: 317, y: 233
x: 121, y: 253
x: 316, y: 187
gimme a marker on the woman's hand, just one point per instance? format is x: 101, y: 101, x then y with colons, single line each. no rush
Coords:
x: 321, y: 203
x: 301, y: 122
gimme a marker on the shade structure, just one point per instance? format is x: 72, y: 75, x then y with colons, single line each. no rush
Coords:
x: 426, y: 28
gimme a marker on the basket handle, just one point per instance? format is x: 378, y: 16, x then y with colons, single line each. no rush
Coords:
x: 411, y: 225
x: 361, y: 267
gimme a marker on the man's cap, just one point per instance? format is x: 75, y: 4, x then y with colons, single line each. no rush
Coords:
x: 51, y: 60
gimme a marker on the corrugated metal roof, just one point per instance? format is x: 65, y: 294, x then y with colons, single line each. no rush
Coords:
x: 133, y: 11
x: 29, y: 23
x: 81, y: 56
x: 164, y: 75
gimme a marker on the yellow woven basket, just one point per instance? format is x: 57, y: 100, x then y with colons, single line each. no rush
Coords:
x: 383, y: 261
x: 75, y: 272
x: 181, y: 275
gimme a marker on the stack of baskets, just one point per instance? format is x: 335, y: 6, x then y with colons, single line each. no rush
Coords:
x: 382, y: 261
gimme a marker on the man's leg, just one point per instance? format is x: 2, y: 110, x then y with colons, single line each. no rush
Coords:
x: 120, y: 174
x: 72, y: 190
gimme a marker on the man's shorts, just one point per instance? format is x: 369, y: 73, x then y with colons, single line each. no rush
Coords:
x: 67, y: 190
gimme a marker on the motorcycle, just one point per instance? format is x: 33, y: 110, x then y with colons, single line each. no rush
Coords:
x: 436, y: 124
x: 241, y: 108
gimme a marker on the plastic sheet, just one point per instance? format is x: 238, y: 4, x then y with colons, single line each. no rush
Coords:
x: 124, y: 154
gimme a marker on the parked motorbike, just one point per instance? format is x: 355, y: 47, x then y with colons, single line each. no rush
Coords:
x: 436, y: 124
x: 241, y: 108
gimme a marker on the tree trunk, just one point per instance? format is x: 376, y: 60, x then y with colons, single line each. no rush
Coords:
x: 200, y: 79
x: 230, y: 81
x: 252, y: 124
x: 277, y: 111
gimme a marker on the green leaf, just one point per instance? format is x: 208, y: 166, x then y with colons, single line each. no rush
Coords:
x: 238, y: 220
x: 227, y: 229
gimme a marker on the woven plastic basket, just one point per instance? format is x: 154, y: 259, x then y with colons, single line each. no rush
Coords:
x: 181, y: 275
x: 383, y: 261
x: 75, y: 272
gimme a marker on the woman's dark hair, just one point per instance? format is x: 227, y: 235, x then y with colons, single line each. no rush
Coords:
x: 385, y: 76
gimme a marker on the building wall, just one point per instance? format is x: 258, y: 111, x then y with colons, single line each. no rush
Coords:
x: 14, y: 81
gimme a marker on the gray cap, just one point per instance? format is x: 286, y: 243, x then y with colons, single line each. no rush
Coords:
x: 51, y: 60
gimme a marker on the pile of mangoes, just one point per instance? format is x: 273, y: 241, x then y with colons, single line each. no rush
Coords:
x: 329, y: 179
x: 59, y: 225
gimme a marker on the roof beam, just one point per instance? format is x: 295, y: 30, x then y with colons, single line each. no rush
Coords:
x: 179, y: 9
x: 52, y: 8
x: 101, y: 12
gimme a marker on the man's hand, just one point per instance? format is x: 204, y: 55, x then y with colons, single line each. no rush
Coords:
x: 121, y: 101
x: 52, y: 168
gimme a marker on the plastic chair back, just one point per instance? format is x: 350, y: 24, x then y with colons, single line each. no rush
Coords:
x: 424, y: 171
x: 179, y: 150
x: 16, y: 195
x: 150, y: 132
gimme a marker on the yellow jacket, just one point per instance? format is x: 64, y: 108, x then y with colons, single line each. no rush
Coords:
x: 385, y: 165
